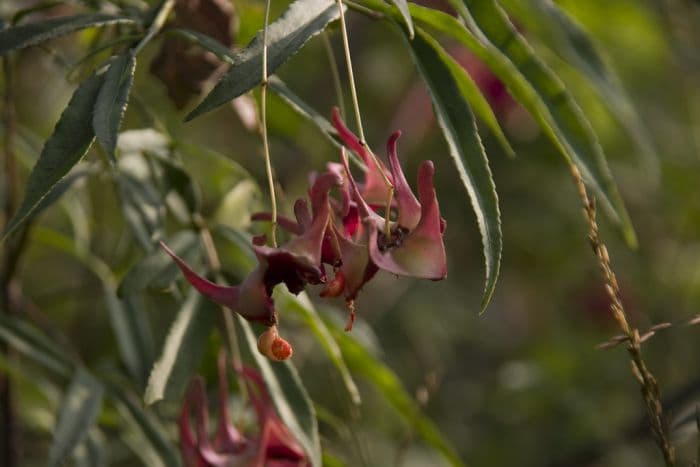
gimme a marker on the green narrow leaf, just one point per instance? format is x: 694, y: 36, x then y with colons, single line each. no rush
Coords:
x: 569, y: 40
x: 302, y: 307
x: 152, y: 442
x: 563, y: 119
x: 444, y: 79
x: 30, y: 341
x: 33, y: 33
x: 363, y: 363
x: 91, y: 452
x: 63, y: 185
x: 182, y: 350
x: 132, y: 332
x: 304, y: 110
x: 81, y: 406
x: 302, y: 20
x: 289, y: 396
x: 402, y: 6
x: 157, y: 269
x: 206, y: 42
x: 112, y: 101
x: 69, y: 142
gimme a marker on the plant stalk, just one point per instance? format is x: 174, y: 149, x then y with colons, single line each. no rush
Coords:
x: 648, y: 384
x: 266, y: 143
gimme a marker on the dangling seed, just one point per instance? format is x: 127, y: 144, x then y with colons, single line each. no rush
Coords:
x: 350, y: 305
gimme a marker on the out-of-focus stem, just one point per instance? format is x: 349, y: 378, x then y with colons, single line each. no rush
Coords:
x: 11, y: 251
x: 335, y: 74
x: 266, y: 144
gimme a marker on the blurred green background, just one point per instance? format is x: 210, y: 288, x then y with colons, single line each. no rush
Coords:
x: 522, y: 384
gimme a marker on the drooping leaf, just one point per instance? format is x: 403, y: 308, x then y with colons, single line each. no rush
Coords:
x: 302, y: 20
x: 79, y: 410
x: 289, y: 396
x: 152, y: 444
x: 143, y: 208
x: 182, y: 350
x: 206, y: 42
x: 60, y: 188
x: 402, y: 6
x: 445, y: 81
x: 34, y: 33
x: 302, y: 307
x: 363, y: 363
x: 92, y: 451
x: 304, y: 109
x: 568, y: 39
x: 112, y: 100
x: 69, y: 142
x: 157, y: 269
x: 563, y: 119
x: 132, y: 332
x: 541, y: 93
x: 30, y: 341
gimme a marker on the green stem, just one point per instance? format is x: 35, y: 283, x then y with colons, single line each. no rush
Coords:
x: 335, y: 74
x: 266, y: 144
x: 155, y: 27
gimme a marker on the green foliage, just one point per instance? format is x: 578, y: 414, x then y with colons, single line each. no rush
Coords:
x: 120, y: 329
x: 445, y: 81
x: 303, y: 20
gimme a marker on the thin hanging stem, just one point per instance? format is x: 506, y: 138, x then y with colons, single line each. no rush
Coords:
x: 358, y: 118
x: 648, y: 385
x: 266, y: 144
x: 335, y: 74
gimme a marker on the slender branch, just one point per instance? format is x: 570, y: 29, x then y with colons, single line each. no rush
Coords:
x: 266, y: 144
x: 156, y: 25
x: 649, y: 387
x: 335, y: 74
x: 358, y: 118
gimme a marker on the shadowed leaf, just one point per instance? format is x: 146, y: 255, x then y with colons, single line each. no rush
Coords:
x: 112, y: 100
x: 69, y: 142
x: 35, y: 33
x: 81, y: 406
x: 182, y: 350
x: 302, y: 20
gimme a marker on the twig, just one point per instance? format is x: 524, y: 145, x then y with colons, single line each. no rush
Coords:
x: 647, y: 382
x: 266, y: 144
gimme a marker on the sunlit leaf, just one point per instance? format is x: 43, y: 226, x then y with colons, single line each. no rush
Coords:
x: 550, y: 101
x: 402, y: 6
x: 539, y: 91
x: 568, y: 39
x: 289, y: 396
x: 302, y: 20
x: 182, y: 350
x: 79, y: 410
x: 302, y: 307
x: 40, y: 31
x: 112, y: 100
x: 69, y: 142
x: 445, y: 79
